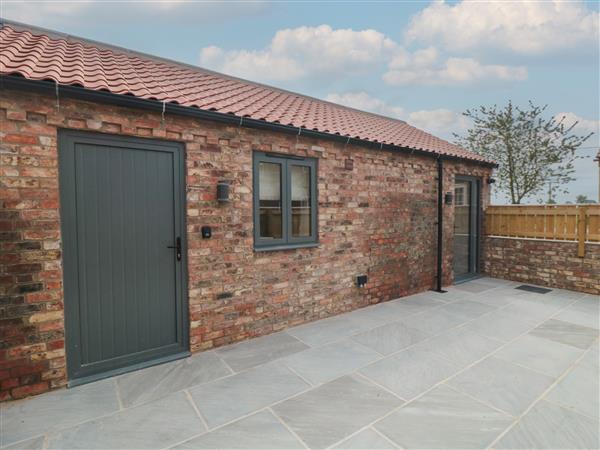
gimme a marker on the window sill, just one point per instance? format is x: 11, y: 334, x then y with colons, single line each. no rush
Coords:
x: 273, y: 248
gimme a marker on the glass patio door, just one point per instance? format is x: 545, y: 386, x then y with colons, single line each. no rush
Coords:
x: 466, y: 228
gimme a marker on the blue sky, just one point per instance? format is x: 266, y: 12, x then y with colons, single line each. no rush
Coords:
x: 424, y: 62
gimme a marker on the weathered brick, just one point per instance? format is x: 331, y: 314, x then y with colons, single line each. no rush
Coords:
x: 52, y: 374
x: 16, y: 115
x: 76, y: 123
x: 41, y: 234
x: 29, y: 369
x: 20, y: 139
x: 23, y: 268
x: 9, y: 383
x: 45, y: 317
x: 25, y: 350
x: 37, y: 172
x: 10, y: 363
x: 31, y: 389
x: 548, y: 263
x: 23, y: 288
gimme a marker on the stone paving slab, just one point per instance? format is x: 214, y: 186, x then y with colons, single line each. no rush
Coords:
x: 264, y: 349
x: 158, y: 381
x: 411, y: 372
x: 469, y: 309
x: 501, y: 325
x: 583, y: 312
x: 483, y: 365
x: 567, y: 333
x: 156, y: 424
x: 579, y: 390
x: 504, y: 385
x: 322, y: 364
x: 23, y: 419
x: 261, y: 430
x: 551, y: 426
x: 367, y: 439
x: 36, y: 443
x: 549, y: 358
x: 444, y: 418
x: 227, y: 399
x: 435, y: 321
x: 335, y: 410
x: 328, y: 330
x: 460, y: 345
x: 391, y: 338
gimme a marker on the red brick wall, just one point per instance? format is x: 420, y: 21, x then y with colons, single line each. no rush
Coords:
x: 546, y: 263
x: 378, y: 218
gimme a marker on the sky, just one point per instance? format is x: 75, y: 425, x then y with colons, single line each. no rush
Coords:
x: 424, y: 62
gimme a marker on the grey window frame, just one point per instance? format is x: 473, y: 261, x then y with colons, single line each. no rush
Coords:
x: 287, y: 241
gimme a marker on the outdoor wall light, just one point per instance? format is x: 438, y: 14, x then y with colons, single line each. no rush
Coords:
x: 491, y: 180
x: 223, y: 191
x: 361, y: 281
x: 448, y: 198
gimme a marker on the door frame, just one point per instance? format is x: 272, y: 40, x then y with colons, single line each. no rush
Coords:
x: 76, y: 373
x: 474, y: 225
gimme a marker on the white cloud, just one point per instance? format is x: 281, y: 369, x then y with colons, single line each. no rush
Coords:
x: 584, y: 126
x: 59, y: 14
x: 422, y: 68
x: 365, y: 102
x: 440, y: 122
x: 322, y: 52
x: 420, y: 58
x: 302, y: 52
x: 258, y: 65
x: 526, y: 27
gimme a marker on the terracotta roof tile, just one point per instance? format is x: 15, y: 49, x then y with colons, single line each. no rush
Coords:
x: 35, y: 55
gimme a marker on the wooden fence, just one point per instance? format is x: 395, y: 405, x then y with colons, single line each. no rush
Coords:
x: 579, y: 223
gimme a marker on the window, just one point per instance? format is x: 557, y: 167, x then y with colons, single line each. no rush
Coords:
x: 459, y: 196
x: 285, y: 201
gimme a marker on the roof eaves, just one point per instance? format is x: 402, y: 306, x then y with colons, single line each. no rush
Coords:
x: 103, y: 96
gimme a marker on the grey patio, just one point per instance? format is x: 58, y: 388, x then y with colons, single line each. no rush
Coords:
x: 482, y: 366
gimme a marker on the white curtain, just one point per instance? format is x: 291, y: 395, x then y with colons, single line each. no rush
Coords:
x: 300, y: 183
x: 270, y: 181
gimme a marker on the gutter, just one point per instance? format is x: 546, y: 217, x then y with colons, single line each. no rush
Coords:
x: 77, y: 92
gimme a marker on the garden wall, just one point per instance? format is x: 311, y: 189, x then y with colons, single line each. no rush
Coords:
x: 543, y: 262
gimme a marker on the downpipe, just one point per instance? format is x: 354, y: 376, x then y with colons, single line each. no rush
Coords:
x: 440, y: 226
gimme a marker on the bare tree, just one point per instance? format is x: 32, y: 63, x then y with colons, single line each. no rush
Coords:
x: 529, y: 148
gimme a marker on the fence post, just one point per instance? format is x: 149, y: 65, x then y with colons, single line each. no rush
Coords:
x: 581, y: 231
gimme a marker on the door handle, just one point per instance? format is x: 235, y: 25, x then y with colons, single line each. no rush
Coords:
x: 177, y: 248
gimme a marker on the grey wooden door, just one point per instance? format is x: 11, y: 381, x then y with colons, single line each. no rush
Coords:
x: 122, y: 213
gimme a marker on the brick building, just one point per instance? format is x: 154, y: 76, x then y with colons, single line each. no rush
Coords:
x: 151, y: 209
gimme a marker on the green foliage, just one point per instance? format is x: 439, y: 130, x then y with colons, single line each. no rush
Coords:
x: 535, y: 154
x: 584, y: 199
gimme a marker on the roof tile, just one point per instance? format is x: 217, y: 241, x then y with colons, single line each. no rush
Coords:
x: 34, y: 55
